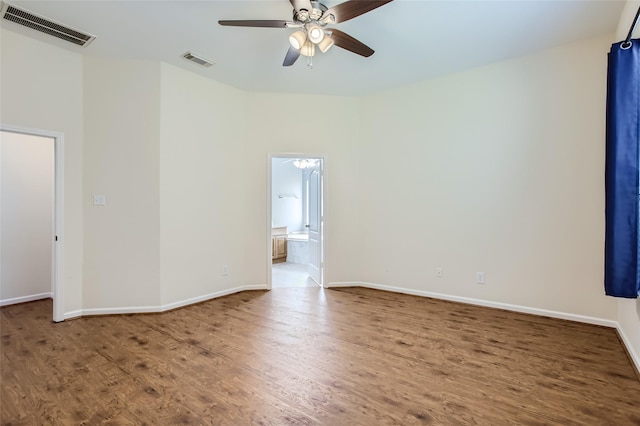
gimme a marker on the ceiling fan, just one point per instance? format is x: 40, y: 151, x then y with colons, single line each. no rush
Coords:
x: 311, y: 19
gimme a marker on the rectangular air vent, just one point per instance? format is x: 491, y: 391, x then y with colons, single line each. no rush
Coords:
x: 190, y: 56
x: 42, y: 24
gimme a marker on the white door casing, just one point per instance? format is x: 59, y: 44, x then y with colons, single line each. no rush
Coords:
x: 315, y: 224
x: 318, y: 272
x: 57, y: 274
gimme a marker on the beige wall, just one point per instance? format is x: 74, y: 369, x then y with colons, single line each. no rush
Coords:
x: 324, y: 125
x: 49, y: 97
x: 629, y: 309
x: 121, y: 161
x: 26, y: 230
x: 499, y: 170
x: 202, y: 182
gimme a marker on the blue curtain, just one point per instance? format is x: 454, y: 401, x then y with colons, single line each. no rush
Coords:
x: 622, y: 175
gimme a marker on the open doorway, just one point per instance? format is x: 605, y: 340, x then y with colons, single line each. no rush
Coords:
x: 30, y: 217
x: 296, y: 188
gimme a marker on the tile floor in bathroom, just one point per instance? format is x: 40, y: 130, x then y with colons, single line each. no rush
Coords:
x: 291, y: 275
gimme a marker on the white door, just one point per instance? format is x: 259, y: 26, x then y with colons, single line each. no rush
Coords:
x: 315, y: 224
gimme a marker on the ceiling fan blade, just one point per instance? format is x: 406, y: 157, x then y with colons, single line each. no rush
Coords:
x: 299, y: 5
x: 255, y: 23
x: 351, y: 9
x: 349, y: 43
x: 292, y: 56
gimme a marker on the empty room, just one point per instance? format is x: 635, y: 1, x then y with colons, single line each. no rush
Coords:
x: 360, y: 212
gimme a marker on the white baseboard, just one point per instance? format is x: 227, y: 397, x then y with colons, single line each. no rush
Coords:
x: 72, y: 314
x: 487, y: 303
x: 215, y: 295
x: 635, y: 357
x: 23, y: 299
x: 345, y: 284
x: 161, y: 308
x: 120, y: 310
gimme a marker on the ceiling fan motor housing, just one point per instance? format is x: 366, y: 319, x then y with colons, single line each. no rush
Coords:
x: 305, y: 16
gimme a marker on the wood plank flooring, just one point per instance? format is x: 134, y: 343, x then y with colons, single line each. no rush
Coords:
x: 308, y: 356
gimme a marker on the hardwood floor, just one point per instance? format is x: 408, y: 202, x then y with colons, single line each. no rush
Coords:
x: 348, y: 356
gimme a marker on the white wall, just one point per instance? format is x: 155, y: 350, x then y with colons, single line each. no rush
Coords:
x: 629, y: 309
x: 50, y: 97
x: 202, y: 183
x: 121, y: 161
x: 499, y: 170
x: 287, y: 182
x: 26, y: 230
x: 333, y: 130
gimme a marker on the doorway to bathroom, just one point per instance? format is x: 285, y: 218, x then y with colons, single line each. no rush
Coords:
x: 296, y: 219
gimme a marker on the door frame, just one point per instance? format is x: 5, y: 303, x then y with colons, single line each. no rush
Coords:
x: 57, y: 264
x: 324, y: 210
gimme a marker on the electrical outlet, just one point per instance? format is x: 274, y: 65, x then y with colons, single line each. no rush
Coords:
x: 439, y: 272
x: 479, y: 277
x: 225, y: 270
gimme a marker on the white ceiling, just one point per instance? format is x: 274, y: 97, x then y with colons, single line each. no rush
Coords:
x: 414, y: 40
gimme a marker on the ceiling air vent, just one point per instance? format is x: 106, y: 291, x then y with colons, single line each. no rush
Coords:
x: 47, y: 26
x: 190, y: 56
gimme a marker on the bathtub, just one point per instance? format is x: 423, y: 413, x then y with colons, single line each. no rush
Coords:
x: 298, y: 247
x: 298, y: 236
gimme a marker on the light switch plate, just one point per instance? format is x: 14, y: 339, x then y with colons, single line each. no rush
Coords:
x: 99, y: 200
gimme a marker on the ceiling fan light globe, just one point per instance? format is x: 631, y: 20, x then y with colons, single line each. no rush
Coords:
x: 315, y: 33
x: 325, y: 44
x: 308, y: 49
x: 297, y: 39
